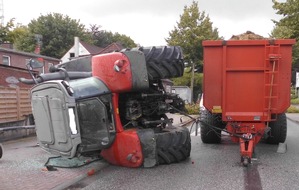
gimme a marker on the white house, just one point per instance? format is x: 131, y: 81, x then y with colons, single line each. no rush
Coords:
x: 82, y: 49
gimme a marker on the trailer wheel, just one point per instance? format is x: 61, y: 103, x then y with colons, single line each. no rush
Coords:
x: 208, y: 134
x: 278, y: 132
x: 163, y: 62
x: 173, y: 145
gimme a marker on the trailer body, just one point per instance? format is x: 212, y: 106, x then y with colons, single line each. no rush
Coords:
x: 247, y: 82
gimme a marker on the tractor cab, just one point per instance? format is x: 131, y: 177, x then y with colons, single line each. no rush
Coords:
x: 73, y: 117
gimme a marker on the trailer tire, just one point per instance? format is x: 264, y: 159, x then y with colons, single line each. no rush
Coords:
x: 163, y: 62
x: 278, y: 132
x: 208, y: 134
x: 173, y: 145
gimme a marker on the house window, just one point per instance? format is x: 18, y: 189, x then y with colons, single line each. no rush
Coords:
x: 72, y: 54
x: 5, y: 60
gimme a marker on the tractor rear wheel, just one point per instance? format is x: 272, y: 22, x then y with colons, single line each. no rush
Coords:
x: 278, y: 132
x: 173, y: 144
x: 208, y: 134
x: 163, y: 62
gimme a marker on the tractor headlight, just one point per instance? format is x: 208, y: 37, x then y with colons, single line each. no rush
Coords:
x: 72, y: 121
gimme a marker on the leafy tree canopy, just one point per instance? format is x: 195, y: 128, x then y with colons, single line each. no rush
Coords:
x: 103, y: 38
x: 288, y: 26
x: 194, y: 27
x: 55, y: 33
x: 5, y: 30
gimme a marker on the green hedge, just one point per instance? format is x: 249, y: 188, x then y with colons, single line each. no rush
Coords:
x: 293, y: 109
x: 192, y: 109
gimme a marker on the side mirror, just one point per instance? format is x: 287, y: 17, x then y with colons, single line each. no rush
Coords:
x: 35, y: 64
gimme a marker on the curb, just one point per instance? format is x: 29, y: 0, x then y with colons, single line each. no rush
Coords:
x: 15, y: 132
x: 293, y: 120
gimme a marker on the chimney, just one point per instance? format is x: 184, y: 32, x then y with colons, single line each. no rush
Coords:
x: 76, y: 46
x: 7, y: 45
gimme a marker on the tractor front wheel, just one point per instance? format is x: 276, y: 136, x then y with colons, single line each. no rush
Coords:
x: 173, y: 144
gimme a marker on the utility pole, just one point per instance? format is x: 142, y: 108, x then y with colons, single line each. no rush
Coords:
x: 192, y: 81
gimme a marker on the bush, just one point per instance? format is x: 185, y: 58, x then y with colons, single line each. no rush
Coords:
x: 295, y: 101
x: 292, y: 109
x: 293, y: 96
x: 192, y: 109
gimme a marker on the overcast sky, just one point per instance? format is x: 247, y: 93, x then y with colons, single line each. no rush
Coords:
x: 148, y: 22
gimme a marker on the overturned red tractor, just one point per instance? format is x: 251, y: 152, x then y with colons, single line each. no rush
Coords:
x: 246, y: 92
x: 113, y: 105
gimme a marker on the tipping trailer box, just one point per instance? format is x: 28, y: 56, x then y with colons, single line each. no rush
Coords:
x: 246, y: 83
x: 247, y: 80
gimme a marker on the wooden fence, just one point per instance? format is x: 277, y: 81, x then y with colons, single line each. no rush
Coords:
x: 14, y: 104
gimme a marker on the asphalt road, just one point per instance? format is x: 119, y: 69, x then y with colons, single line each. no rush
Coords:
x: 210, y: 167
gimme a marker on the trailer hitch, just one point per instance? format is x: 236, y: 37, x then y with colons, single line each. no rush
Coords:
x: 246, y: 148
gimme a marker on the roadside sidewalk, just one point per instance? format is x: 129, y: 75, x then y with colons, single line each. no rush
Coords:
x: 22, y: 165
x: 293, y: 117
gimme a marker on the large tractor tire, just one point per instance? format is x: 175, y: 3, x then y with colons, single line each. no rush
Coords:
x: 278, y: 132
x: 173, y: 145
x: 208, y: 134
x: 163, y: 62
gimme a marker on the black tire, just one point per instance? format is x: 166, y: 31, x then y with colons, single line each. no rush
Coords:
x: 207, y: 133
x: 1, y: 151
x: 163, y: 62
x: 173, y: 145
x: 278, y: 132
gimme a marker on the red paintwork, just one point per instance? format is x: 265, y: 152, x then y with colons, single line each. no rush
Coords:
x: 237, y: 77
x: 249, y: 80
x: 118, y: 125
x: 246, y: 148
x: 115, y: 71
x: 103, y: 67
x: 256, y: 129
x: 125, y: 150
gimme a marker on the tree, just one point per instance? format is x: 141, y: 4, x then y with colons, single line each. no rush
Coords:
x: 23, y: 39
x: 288, y: 26
x: 103, y: 38
x: 5, y: 30
x: 191, y: 30
x: 18, y: 32
x: 194, y: 27
x: 125, y: 41
x: 57, y: 31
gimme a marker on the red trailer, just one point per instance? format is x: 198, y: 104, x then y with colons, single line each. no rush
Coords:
x: 246, y: 91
